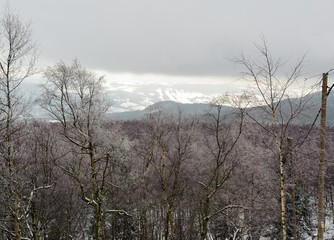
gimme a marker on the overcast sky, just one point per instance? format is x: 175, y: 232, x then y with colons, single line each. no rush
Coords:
x: 179, y: 37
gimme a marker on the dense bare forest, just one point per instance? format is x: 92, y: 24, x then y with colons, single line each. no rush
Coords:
x: 225, y: 175
x: 165, y: 177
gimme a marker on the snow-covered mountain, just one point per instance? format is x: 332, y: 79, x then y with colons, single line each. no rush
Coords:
x: 132, y: 97
x: 130, y: 100
x: 140, y: 97
x: 311, y: 109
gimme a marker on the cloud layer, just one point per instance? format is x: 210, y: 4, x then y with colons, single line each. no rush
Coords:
x: 187, y: 37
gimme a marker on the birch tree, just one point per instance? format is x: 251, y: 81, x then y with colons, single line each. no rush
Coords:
x: 275, y: 106
x: 18, y: 57
x: 75, y: 98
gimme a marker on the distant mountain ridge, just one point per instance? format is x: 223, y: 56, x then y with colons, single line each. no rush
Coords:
x: 187, y: 109
x: 312, y: 107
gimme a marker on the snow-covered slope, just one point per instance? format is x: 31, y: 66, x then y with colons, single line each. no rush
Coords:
x: 132, y: 97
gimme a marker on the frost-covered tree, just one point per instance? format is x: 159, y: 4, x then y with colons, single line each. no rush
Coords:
x: 17, y: 62
x: 75, y: 99
x: 276, y: 110
x: 165, y: 150
x: 218, y: 158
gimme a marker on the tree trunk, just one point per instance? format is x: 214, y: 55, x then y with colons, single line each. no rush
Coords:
x: 170, y: 222
x: 99, y: 231
x: 294, y: 216
x: 191, y: 233
x: 16, y: 220
x: 283, y: 199
x: 34, y: 221
x: 322, y: 163
x: 15, y: 202
x: 143, y: 225
x: 205, y: 221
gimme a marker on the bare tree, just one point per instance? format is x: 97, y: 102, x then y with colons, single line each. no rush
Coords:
x: 221, y: 135
x: 165, y: 147
x: 55, y: 209
x: 275, y: 105
x: 75, y: 98
x: 17, y: 62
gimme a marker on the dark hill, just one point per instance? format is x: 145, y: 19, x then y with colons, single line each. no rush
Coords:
x: 310, y: 106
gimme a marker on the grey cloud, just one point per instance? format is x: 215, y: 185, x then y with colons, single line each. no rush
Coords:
x: 182, y: 37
